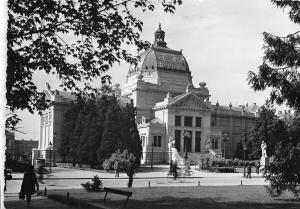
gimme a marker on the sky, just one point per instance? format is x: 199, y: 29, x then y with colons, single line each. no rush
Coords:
x: 221, y: 41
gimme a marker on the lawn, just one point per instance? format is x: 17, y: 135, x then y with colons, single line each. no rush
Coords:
x: 233, y: 197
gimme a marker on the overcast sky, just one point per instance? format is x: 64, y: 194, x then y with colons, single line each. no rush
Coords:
x: 221, y: 41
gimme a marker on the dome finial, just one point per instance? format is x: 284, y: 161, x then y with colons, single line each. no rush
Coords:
x: 159, y: 37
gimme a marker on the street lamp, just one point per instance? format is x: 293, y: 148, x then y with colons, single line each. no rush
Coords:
x: 186, y: 135
x: 54, y: 137
x: 151, y: 155
x: 50, y: 147
x: 244, y: 149
x: 225, y: 139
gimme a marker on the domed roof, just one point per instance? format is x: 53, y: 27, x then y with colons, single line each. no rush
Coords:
x: 160, y: 57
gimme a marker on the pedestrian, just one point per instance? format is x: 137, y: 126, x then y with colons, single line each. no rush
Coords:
x: 171, y: 168
x: 130, y: 172
x: 175, y: 174
x: 248, y: 171
x: 29, y: 183
x: 257, y: 167
x: 41, y: 173
x: 116, y: 167
x: 5, y: 178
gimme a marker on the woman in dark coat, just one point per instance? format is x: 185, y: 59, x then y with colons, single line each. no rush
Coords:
x: 29, y: 183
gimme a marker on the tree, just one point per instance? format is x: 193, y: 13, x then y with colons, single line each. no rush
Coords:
x: 280, y: 68
x: 70, y: 118
x: 78, y: 40
x: 134, y: 143
x: 112, y: 134
x: 284, y: 170
x: 268, y: 128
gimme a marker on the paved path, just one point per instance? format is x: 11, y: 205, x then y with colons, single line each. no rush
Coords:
x: 63, y: 178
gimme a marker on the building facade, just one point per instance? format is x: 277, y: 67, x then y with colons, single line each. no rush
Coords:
x: 168, y: 107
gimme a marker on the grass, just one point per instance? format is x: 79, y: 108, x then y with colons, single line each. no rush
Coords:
x: 233, y: 197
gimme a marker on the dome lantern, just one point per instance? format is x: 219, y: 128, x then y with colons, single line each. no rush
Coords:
x: 159, y: 36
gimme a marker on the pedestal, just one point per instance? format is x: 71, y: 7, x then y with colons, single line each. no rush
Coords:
x: 264, y: 161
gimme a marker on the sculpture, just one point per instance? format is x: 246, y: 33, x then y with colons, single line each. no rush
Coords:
x: 174, y: 153
x: 263, y: 149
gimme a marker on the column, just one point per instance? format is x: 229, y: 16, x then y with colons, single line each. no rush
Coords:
x: 193, y: 140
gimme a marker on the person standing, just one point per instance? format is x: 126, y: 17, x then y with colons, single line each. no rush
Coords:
x: 116, y: 167
x: 248, y: 171
x: 130, y: 172
x: 257, y: 167
x: 175, y: 174
x: 29, y: 183
x: 171, y: 168
x: 5, y: 178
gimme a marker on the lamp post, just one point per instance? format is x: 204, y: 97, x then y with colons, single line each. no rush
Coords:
x: 54, y: 137
x: 50, y: 149
x: 225, y: 139
x: 186, y: 135
x: 244, y: 149
x: 152, y: 155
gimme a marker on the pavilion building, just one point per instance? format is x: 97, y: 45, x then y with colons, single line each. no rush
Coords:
x: 168, y: 107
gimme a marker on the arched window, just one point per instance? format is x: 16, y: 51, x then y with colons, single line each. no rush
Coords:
x: 214, y: 143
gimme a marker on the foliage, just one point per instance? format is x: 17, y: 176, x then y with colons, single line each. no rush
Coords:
x: 222, y: 169
x: 94, y: 128
x: 268, y: 127
x: 280, y: 68
x: 284, y: 170
x: 208, y: 161
x: 95, y: 186
x: 76, y: 40
x: 122, y: 158
x: 239, y: 152
x: 221, y: 162
x: 205, y: 161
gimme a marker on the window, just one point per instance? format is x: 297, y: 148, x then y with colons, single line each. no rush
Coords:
x: 177, y: 139
x: 188, y: 121
x: 177, y: 120
x: 157, y: 141
x: 214, y: 143
x: 198, y: 122
x: 143, y: 140
x: 197, y: 141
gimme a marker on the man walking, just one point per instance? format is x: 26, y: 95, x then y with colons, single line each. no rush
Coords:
x: 130, y: 172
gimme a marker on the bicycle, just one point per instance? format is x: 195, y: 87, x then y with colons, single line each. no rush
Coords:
x: 181, y: 175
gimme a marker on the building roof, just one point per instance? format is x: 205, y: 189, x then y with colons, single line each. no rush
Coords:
x: 160, y: 57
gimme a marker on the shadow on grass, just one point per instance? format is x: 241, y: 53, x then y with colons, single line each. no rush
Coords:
x: 168, y: 202
x: 203, y: 203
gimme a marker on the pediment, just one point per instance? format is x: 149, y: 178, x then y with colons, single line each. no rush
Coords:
x: 189, y: 101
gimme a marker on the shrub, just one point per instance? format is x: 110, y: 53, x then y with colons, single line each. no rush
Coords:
x: 207, y: 161
x: 222, y: 169
x: 95, y: 186
x: 122, y: 159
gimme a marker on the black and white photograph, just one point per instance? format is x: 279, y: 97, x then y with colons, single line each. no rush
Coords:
x: 150, y: 104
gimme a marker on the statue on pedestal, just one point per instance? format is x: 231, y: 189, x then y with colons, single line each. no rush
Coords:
x: 174, y: 153
x: 264, y: 160
x: 263, y: 149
